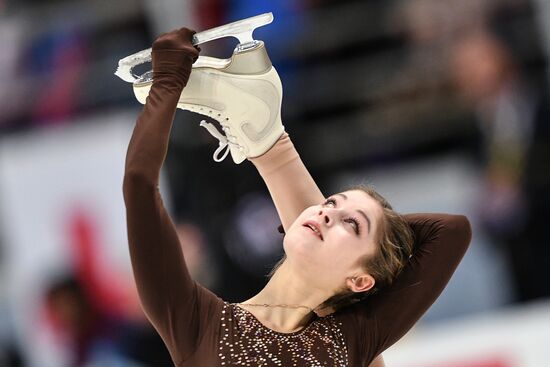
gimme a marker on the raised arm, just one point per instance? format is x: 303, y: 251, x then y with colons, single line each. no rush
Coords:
x: 440, y: 243
x: 165, y: 287
x: 291, y: 186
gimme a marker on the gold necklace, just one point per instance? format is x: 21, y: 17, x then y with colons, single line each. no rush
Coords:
x: 281, y: 305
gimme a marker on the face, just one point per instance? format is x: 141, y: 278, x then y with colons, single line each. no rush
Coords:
x: 326, y: 241
x: 479, y: 67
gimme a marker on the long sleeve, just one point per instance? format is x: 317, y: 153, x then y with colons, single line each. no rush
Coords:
x: 440, y: 243
x: 164, y: 284
x: 174, y: 303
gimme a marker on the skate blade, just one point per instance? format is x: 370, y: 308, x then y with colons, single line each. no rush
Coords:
x: 241, y: 29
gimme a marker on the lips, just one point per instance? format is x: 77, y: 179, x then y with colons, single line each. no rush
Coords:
x: 314, y: 226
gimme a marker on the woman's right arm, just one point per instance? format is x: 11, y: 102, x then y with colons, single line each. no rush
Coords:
x: 166, y: 290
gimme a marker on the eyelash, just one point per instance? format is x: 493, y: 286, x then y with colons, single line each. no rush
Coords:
x: 352, y: 219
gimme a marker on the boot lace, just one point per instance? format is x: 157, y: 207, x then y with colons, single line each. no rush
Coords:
x: 224, y: 141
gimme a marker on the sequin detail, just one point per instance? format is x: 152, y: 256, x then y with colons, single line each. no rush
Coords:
x: 245, y: 341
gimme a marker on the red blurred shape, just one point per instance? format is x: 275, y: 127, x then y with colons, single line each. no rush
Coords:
x: 499, y: 361
x: 109, y: 292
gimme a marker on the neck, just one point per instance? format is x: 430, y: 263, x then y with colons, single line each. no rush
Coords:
x: 285, y: 288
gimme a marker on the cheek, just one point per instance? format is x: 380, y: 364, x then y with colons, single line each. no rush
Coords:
x: 335, y: 254
x: 308, y: 213
x: 344, y: 251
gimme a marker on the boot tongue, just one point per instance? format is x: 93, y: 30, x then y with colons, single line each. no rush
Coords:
x: 238, y: 156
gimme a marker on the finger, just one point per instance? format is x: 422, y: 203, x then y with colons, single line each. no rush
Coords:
x: 190, y: 30
x: 186, y: 33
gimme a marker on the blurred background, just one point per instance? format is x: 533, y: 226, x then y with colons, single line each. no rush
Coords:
x: 441, y: 105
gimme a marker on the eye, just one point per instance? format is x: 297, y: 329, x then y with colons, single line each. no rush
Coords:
x: 355, y: 222
x: 330, y: 201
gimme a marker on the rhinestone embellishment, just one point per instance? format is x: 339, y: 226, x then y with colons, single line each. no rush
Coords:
x: 247, y: 342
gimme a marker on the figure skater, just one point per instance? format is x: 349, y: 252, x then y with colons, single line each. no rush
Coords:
x: 355, y: 277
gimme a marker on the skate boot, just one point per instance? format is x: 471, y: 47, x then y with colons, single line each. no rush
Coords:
x: 242, y: 93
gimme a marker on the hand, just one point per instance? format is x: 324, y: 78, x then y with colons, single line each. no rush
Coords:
x: 173, y: 56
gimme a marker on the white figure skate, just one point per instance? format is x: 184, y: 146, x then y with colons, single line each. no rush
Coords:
x: 243, y: 93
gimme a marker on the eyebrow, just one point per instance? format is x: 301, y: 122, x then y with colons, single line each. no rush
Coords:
x: 359, y: 210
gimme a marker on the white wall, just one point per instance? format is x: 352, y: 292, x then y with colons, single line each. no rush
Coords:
x: 513, y: 337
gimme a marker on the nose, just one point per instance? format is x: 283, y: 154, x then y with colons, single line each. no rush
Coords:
x: 323, y: 213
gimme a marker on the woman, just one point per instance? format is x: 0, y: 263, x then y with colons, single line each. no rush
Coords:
x: 350, y: 244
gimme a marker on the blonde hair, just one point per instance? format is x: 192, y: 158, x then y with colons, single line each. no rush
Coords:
x: 394, y: 239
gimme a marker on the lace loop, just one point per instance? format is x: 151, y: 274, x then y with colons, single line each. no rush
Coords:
x: 224, y: 141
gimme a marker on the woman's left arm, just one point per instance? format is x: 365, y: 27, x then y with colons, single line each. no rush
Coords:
x: 289, y: 182
x: 441, y: 241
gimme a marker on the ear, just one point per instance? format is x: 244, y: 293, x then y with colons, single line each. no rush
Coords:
x: 361, y: 283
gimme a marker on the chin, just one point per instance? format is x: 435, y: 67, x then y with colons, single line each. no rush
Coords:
x: 296, y: 242
x: 289, y: 244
